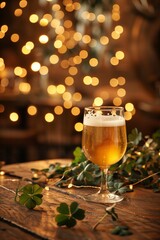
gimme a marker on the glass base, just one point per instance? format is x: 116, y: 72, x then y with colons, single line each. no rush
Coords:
x: 104, y: 198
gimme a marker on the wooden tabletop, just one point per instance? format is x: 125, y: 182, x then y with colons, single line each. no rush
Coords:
x: 140, y: 211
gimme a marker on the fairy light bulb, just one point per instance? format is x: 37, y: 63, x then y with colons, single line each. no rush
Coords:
x: 131, y: 187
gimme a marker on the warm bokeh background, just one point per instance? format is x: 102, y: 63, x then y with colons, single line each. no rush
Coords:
x: 56, y: 57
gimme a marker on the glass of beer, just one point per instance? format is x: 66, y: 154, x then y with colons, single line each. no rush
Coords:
x: 104, y: 143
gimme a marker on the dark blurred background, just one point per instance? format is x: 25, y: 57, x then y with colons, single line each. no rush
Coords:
x: 56, y: 57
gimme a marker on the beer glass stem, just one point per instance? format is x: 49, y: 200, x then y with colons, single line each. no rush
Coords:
x: 104, y: 186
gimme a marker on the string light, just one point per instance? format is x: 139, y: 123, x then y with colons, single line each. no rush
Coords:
x: 98, y: 101
x: 58, y: 110
x: 14, y: 37
x: 33, y: 18
x: 32, y: 110
x: 43, y: 39
x: 2, y: 5
x: 129, y: 107
x: 23, y: 3
x: 131, y: 187
x: 74, y: 49
x: 113, y: 82
x: 24, y: 87
x: 35, y: 66
x: 78, y: 127
x: 117, y: 101
x: 14, y: 116
x: 121, y: 81
x: 128, y: 116
x: 75, y: 111
x: 49, y: 117
x: 77, y: 96
x: 51, y: 89
x: 2, y: 173
x: 69, y: 81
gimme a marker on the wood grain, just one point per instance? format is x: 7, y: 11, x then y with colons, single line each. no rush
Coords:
x: 140, y: 211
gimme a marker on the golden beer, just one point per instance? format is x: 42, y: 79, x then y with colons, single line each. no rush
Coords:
x: 104, y: 142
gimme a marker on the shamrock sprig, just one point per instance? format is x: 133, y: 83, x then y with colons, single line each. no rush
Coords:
x: 138, y: 166
x: 30, y: 195
x: 142, y: 161
x: 85, y: 173
x: 120, y: 230
x: 54, y: 170
x: 69, y: 214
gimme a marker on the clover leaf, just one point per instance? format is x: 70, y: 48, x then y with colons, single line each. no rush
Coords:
x: 121, y: 231
x: 30, y: 195
x: 68, y: 215
x: 135, y: 137
x: 78, y: 156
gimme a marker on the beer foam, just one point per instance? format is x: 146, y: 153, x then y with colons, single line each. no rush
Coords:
x: 103, y: 121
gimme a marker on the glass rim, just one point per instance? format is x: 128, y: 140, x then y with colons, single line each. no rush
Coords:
x: 103, y: 108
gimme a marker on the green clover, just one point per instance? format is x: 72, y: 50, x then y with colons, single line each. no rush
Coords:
x: 29, y: 195
x: 68, y: 215
x: 121, y: 231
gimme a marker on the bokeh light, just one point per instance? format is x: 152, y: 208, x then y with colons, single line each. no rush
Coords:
x: 14, y: 116
x: 65, y: 58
